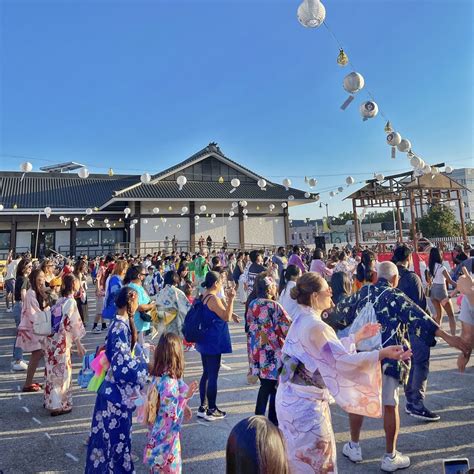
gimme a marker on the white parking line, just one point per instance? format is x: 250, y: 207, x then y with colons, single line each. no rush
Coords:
x: 19, y: 396
x: 226, y: 367
x: 37, y: 421
x: 26, y: 409
x: 71, y: 456
x: 48, y: 436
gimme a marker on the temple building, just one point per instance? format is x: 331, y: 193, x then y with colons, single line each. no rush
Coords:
x: 207, y: 205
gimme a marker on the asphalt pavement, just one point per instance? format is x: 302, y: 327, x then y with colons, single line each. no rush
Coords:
x: 31, y: 441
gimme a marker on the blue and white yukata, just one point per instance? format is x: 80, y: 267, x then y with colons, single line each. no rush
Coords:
x: 109, y: 448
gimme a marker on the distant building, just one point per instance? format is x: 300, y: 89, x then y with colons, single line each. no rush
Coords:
x: 159, y: 210
x: 465, y: 176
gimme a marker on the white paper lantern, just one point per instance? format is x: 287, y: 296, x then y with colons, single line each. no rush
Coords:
x: 404, y: 146
x: 245, y: 217
x: 394, y: 138
x: 307, y: 195
x: 178, y: 226
x: 311, y: 13
x: 184, y: 210
x: 155, y: 210
x: 145, y: 221
x: 243, y: 203
x: 262, y: 184
x: 332, y: 194
x: 271, y: 207
x: 106, y: 221
x: 89, y: 211
x: 108, y: 226
x: 230, y: 218
x: 316, y: 197
x: 145, y: 178
x: 235, y: 182
x: 164, y: 219
x: 416, y: 162
x: 132, y: 226
x: 76, y: 221
x: 353, y: 82
x: 448, y: 169
x: 287, y: 183
x: 213, y: 216
x: 61, y: 218
x: 48, y: 211
x: 426, y: 169
x: 312, y: 182
x: 379, y: 177
x: 83, y: 173
x: 2, y: 207
x: 369, y: 109
x: 434, y: 170
x: 350, y: 180
x: 135, y: 221
x: 196, y: 217
x: 245, y: 212
x: 26, y: 167
x: 291, y: 197
x: 203, y: 208
x: 231, y: 213
x: 127, y: 211
x: 284, y: 205
x: 181, y: 180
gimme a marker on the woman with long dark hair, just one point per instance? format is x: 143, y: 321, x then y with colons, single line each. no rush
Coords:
x: 288, y: 279
x: 22, y: 284
x: 80, y: 272
x: 438, y: 277
x: 365, y: 271
x: 109, y: 448
x: 268, y: 325
x: 36, y: 300
x: 256, y: 446
x: 68, y: 330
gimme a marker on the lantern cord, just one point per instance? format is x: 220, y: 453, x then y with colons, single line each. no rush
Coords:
x: 369, y: 93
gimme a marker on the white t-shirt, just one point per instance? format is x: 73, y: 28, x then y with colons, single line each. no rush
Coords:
x: 439, y: 278
x: 286, y: 300
x: 11, y: 269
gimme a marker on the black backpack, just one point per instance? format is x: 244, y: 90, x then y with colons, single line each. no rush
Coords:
x: 194, y: 327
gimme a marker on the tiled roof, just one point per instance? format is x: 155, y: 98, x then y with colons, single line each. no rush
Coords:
x: 200, y: 190
x: 38, y: 190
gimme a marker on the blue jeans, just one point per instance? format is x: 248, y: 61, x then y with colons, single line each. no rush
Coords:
x: 17, y: 351
x: 208, y: 385
x: 420, y: 368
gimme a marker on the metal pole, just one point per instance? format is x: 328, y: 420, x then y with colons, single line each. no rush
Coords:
x: 37, y: 232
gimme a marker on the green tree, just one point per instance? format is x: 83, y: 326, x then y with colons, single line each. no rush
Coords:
x: 440, y: 221
x: 342, y: 218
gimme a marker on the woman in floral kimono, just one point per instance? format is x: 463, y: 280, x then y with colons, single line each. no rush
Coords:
x: 36, y: 300
x: 163, y: 448
x: 268, y: 325
x: 109, y: 447
x: 172, y: 304
x: 317, y: 366
x: 69, y: 329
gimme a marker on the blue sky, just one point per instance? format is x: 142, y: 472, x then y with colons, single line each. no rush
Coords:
x: 141, y: 85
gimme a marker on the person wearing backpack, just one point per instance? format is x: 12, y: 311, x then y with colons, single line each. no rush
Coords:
x: 216, y: 342
x: 68, y: 329
x: 399, y: 317
x: 163, y: 447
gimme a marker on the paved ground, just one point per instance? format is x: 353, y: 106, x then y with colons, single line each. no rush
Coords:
x: 33, y: 442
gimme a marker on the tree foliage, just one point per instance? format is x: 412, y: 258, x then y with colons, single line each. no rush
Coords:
x: 372, y: 217
x: 440, y: 221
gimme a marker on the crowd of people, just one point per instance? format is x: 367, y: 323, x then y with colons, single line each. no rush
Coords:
x: 321, y: 327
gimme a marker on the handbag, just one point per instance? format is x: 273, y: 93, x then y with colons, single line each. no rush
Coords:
x: 86, y: 373
x: 42, y: 323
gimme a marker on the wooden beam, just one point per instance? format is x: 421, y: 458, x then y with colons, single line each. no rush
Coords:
x: 356, y: 223
x: 192, y: 226
x: 461, y: 215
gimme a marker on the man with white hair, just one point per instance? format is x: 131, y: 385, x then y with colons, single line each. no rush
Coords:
x: 399, y: 317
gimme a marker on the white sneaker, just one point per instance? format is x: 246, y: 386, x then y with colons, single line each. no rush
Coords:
x: 9, y: 310
x: 19, y: 366
x: 97, y: 330
x: 399, y: 461
x: 354, y: 453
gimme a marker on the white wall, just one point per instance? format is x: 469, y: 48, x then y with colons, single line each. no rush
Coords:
x: 168, y: 228
x: 222, y: 227
x: 265, y: 230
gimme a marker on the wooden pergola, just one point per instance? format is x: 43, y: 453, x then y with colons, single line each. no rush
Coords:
x: 411, y: 191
